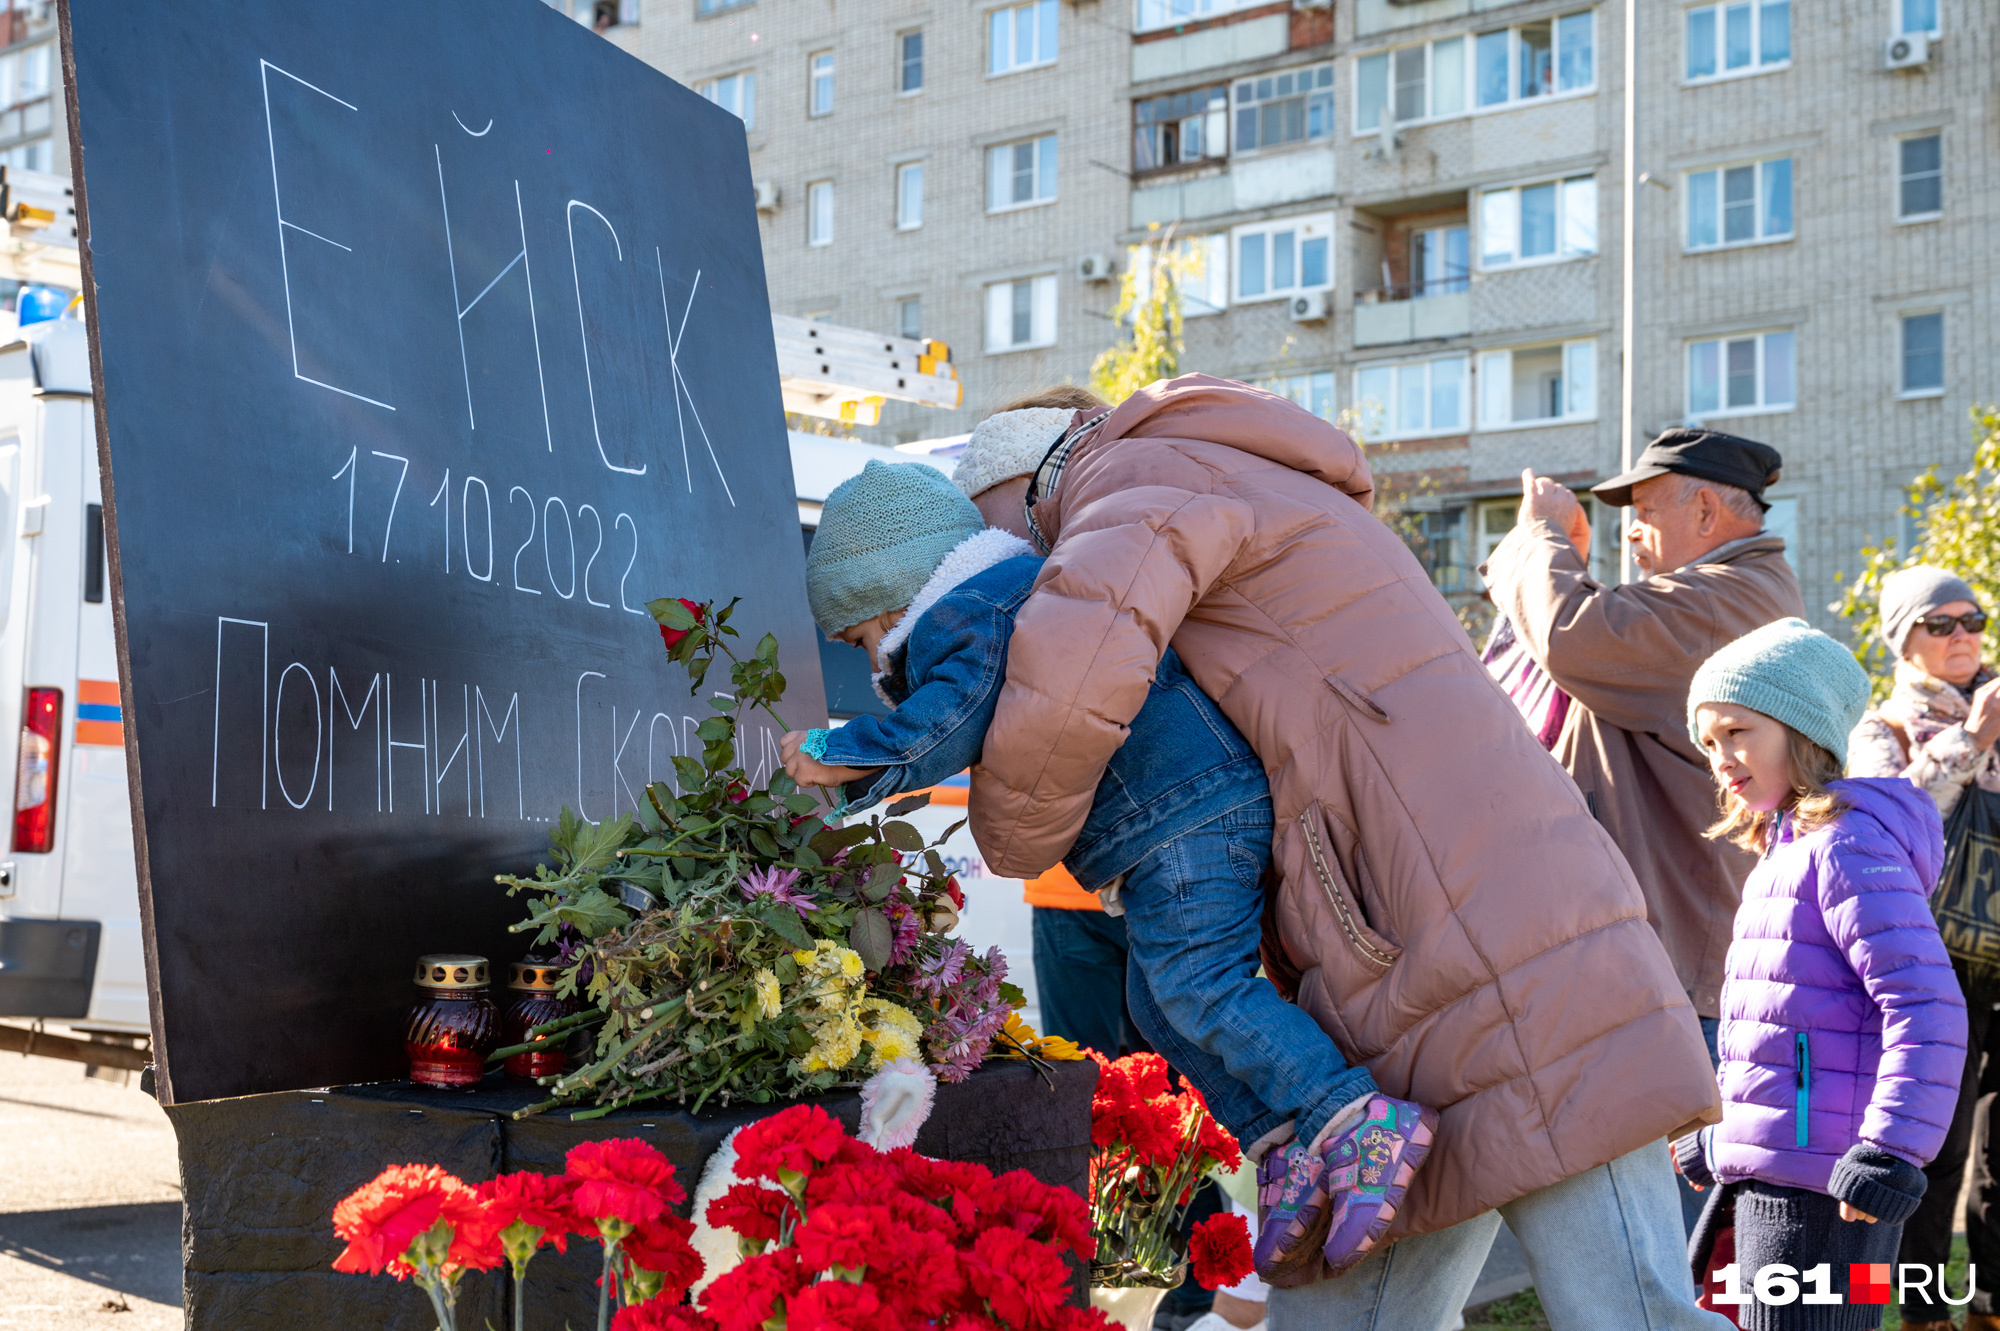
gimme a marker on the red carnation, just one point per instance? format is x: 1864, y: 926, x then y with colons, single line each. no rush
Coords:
x: 537, y: 1203
x: 1083, y: 1319
x: 659, y: 1314
x: 672, y: 637
x: 662, y: 1248
x: 916, y: 1271
x: 383, y: 1217
x: 834, y: 1305
x: 1219, y: 1248
x: 1056, y: 1216
x: 1021, y: 1280
x: 622, y: 1179
x: 752, y: 1210
x: 747, y: 1295
x: 796, y: 1141
x: 840, y: 1236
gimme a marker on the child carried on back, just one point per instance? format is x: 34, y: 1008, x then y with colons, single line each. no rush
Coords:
x: 1179, y: 834
x: 1843, y: 1026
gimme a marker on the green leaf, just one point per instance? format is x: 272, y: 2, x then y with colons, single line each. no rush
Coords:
x: 909, y: 804
x: 781, y: 786
x: 800, y: 803
x: 765, y: 844
x: 935, y: 861
x: 594, y: 847
x: 767, y: 649
x: 759, y: 804
x: 591, y: 912
x: 723, y: 704
x: 670, y: 612
x: 784, y: 922
x: 1011, y: 995
x: 785, y: 969
x: 903, y: 837
x: 690, y: 773
x: 833, y: 840
x: 872, y: 936
x: 715, y: 730
x: 718, y: 756
x: 951, y: 831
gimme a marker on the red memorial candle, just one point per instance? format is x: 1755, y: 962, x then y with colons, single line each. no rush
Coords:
x: 531, y: 1000
x: 453, y: 1026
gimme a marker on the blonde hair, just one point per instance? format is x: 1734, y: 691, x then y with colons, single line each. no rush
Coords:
x: 1068, y: 397
x: 1811, y: 804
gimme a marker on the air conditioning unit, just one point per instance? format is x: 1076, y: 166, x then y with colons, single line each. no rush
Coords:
x: 1094, y: 268
x: 767, y: 196
x: 1308, y: 307
x: 1912, y: 50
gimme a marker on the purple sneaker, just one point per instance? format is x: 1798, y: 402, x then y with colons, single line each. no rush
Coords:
x: 1292, y: 1215
x: 1366, y: 1170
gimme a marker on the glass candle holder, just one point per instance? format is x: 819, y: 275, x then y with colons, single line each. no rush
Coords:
x: 532, y: 1000
x: 453, y: 1025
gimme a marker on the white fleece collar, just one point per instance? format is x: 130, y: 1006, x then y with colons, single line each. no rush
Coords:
x: 969, y: 558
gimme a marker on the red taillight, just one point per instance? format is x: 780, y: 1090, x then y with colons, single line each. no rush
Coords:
x: 35, y: 772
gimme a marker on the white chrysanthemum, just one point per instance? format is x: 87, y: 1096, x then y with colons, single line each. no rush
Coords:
x: 769, y: 1000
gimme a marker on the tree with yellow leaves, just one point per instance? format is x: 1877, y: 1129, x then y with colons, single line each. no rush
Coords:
x: 1149, y: 312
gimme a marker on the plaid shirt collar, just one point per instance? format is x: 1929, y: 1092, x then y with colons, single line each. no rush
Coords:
x: 1049, y: 473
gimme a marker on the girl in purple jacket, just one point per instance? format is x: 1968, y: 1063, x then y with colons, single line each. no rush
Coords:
x: 1843, y: 1028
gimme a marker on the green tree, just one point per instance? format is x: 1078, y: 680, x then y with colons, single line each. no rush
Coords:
x: 1149, y: 311
x: 1960, y: 523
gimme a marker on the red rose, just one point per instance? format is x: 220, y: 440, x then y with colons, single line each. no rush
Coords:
x: 747, y: 1295
x: 662, y: 1248
x: 798, y: 1140
x: 672, y: 637
x: 659, y: 1314
x: 752, y: 1210
x: 383, y: 1217
x: 1024, y: 1282
x: 738, y: 792
x: 954, y: 892
x: 1219, y: 1248
x: 834, y: 1305
x: 622, y: 1179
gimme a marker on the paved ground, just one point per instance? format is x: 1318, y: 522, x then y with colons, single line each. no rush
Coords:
x: 90, y: 1203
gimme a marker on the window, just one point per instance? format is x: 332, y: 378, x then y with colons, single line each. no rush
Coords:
x: 1402, y: 401
x: 1440, y: 547
x: 1440, y: 260
x: 1019, y: 175
x: 819, y: 213
x: 1312, y: 391
x: 819, y: 83
x: 1740, y: 37
x: 1284, y: 108
x: 1204, y: 273
x: 1416, y: 83
x: 1538, y: 385
x: 1730, y: 376
x: 910, y: 317
x: 736, y: 94
x: 1167, y: 13
x: 36, y: 155
x: 910, y: 62
x: 1280, y: 258
x: 1531, y: 223
x: 1181, y: 128
x: 910, y: 196
x: 1020, y: 315
x: 1736, y: 205
x: 1536, y: 60
x: 25, y: 75
x: 717, y: 6
x: 1920, y: 177
x: 1917, y: 16
x: 1021, y: 37
x: 1923, y: 355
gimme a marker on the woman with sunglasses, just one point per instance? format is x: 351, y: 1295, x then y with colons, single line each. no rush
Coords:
x: 1937, y: 727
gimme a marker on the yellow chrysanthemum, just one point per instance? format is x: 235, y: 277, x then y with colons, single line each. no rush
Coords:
x: 883, y: 1014
x: 890, y: 1044
x: 850, y: 963
x: 769, y: 1001
x: 836, y: 1047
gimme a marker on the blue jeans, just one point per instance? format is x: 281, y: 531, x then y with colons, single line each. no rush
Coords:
x: 1604, y: 1248
x: 1080, y: 979
x: 1193, y: 919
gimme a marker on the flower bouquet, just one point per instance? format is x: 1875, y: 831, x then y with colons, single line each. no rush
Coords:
x: 731, y: 943
x: 1150, y: 1149
x: 831, y: 1235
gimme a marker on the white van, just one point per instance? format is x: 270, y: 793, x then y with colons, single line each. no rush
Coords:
x: 70, y: 943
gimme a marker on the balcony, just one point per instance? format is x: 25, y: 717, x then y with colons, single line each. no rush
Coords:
x: 1403, y: 314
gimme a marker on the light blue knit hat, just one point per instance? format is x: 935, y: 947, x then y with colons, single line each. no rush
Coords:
x: 881, y: 536
x: 1791, y: 672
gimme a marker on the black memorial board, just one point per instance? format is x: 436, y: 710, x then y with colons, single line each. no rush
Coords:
x: 432, y: 341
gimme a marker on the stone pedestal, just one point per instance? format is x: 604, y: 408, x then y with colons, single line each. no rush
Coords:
x: 262, y: 1174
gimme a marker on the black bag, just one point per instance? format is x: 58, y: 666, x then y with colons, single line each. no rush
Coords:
x: 1967, y: 900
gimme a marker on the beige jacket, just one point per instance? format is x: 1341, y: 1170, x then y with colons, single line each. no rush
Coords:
x: 1626, y: 656
x: 1454, y: 916
x: 1919, y: 732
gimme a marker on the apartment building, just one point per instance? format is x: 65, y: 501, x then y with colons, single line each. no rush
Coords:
x: 1410, y: 215
x: 34, y: 136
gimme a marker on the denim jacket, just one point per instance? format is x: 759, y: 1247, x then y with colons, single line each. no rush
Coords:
x: 1181, y: 766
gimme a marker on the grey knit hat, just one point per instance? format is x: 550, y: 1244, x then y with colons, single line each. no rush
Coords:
x: 1791, y: 672
x: 881, y: 536
x: 1910, y: 593
x: 1006, y: 445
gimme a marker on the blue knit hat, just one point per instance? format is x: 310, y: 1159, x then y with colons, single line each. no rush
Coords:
x: 881, y: 536
x: 1793, y: 673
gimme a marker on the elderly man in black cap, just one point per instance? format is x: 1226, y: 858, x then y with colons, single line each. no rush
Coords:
x: 1626, y: 654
